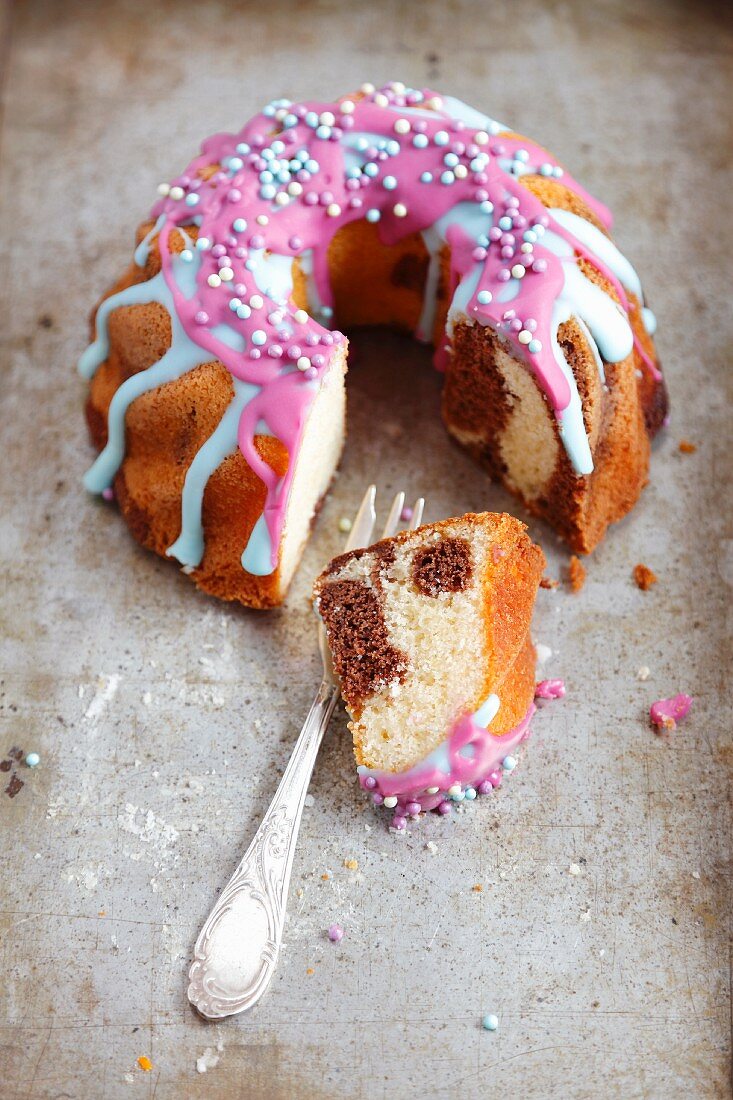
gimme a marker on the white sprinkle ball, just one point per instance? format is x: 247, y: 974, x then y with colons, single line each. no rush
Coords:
x: 345, y: 524
x: 303, y: 363
x: 262, y: 219
x: 164, y: 189
x: 333, y: 209
x: 214, y: 280
x: 176, y: 193
x: 390, y: 802
x: 481, y: 137
x: 300, y: 316
x: 226, y: 274
x: 399, y: 210
x: 347, y: 107
x: 402, y: 126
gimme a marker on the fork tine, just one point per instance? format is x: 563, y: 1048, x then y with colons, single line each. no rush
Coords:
x: 363, y: 525
x: 417, y: 511
x: 393, y: 518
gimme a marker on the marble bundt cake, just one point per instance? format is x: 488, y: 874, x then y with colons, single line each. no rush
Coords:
x: 429, y: 635
x: 217, y: 384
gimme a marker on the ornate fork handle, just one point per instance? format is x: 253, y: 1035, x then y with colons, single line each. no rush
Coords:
x: 237, y: 949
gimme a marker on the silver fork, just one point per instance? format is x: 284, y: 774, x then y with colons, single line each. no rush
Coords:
x: 237, y: 949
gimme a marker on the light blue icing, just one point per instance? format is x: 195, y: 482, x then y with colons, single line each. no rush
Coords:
x: 469, y: 216
x: 602, y: 246
x: 229, y: 336
x: 487, y: 711
x: 509, y: 291
x: 188, y: 548
x: 98, y: 350
x: 603, y: 316
x: 257, y: 556
x: 272, y: 272
x: 143, y: 249
x: 182, y: 356
x: 353, y: 156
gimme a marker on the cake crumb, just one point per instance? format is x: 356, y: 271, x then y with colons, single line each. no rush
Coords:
x: 309, y: 970
x: 687, y: 448
x: 574, y: 869
x: 477, y: 888
x: 644, y: 577
x: 325, y: 876
x: 432, y: 847
x: 666, y: 713
x: 576, y: 573
x: 351, y: 864
x: 550, y: 689
x: 145, y: 1064
x: 644, y: 673
x: 207, y: 1060
x: 548, y: 582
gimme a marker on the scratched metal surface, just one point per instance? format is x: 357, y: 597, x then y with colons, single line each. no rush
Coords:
x: 163, y: 719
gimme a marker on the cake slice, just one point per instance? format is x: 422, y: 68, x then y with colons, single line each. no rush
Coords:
x: 429, y: 636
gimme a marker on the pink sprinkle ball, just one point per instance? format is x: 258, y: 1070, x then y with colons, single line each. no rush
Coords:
x: 335, y: 933
x: 108, y: 494
x: 406, y: 514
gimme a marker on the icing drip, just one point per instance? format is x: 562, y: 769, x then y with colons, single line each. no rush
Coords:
x: 470, y: 761
x: 280, y: 189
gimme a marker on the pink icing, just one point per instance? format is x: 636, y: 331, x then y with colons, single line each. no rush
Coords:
x: 666, y: 713
x: 239, y: 215
x: 550, y: 689
x: 489, y: 750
